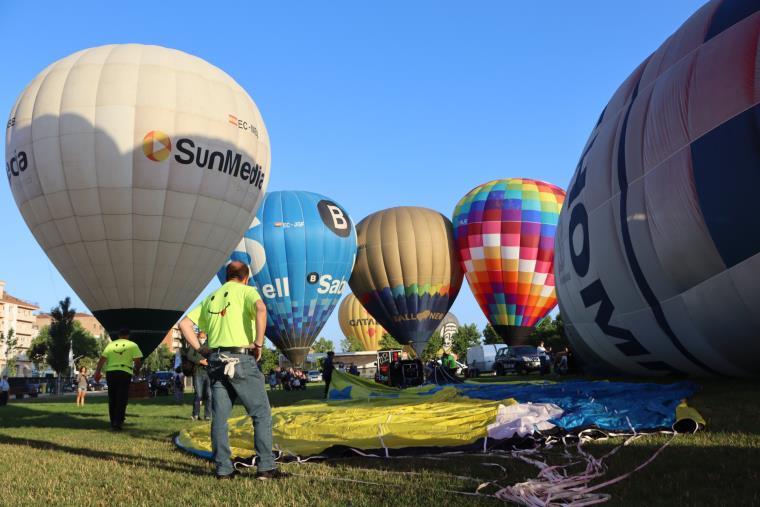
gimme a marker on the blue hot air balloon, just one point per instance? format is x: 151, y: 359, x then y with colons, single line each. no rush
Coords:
x: 301, y: 249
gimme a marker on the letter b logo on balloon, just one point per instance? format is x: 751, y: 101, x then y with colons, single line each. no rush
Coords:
x: 334, y: 218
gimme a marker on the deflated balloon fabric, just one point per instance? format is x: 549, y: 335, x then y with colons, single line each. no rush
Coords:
x: 610, y: 406
x: 442, y: 419
x: 363, y: 415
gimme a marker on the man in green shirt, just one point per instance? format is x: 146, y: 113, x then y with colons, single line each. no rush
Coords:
x: 122, y: 359
x: 226, y: 316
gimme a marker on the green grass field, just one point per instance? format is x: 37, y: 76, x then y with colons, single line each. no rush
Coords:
x: 53, y: 453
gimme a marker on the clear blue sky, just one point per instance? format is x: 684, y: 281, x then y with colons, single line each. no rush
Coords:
x: 375, y: 104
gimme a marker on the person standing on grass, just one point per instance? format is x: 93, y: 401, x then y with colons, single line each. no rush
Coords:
x: 81, y: 386
x: 5, y: 387
x: 122, y: 359
x: 327, y: 371
x: 232, y: 349
x: 201, y: 383
x: 179, y: 385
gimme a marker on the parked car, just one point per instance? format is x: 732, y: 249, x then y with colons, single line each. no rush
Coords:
x: 161, y: 383
x: 96, y: 386
x: 314, y: 376
x: 480, y: 359
x: 22, y: 386
x: 521, y: 359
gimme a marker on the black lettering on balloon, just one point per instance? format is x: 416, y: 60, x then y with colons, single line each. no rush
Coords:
x: 232, y: 164
x: 185, y: 146
x: 580, y: 180
x: 216, y: 155
x: 22, y: 162
x: 582, y: 259
x: 595, y: 293
x: 245, y: 170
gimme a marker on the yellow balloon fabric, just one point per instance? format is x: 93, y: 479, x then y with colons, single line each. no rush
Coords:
x: 358, y: 325
x: 442, y: 419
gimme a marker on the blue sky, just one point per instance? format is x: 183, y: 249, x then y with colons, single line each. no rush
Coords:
x: 375, y: 104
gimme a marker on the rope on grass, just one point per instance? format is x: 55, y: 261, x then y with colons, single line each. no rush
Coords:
x: 556, y: 486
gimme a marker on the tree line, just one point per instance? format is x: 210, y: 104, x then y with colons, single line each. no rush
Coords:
x: 66, y: 335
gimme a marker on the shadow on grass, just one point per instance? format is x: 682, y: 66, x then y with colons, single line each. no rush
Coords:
x: 685, y: 473
x: 25, y: 416
x: 123, y: 459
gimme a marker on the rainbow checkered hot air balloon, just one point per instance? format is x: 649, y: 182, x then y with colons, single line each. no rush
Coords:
x: 504, y: 231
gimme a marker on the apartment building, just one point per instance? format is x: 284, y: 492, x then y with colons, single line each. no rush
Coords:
x: 173, y: 339
x: 88, y: 322
x: 18, y: 315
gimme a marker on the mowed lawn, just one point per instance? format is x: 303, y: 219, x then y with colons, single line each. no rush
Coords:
x: 53, y: 453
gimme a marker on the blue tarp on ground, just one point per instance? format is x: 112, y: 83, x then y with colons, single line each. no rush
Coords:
x: 610, y: 406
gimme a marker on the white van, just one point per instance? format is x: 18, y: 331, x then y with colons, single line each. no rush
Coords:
x: 480, y: 358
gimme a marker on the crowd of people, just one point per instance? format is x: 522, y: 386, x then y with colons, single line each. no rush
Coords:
x: 288, y: 379
x: 554, y: 361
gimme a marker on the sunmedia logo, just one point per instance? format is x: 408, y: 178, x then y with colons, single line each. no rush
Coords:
x: 16, y: 165
x: 157, y: 147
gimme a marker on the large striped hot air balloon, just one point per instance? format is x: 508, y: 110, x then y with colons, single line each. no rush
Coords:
x: 125, y: 165
x: 504, y: 231
x: 301, y: 247
x: 358, y: 325
x: 658, y: 247
x: 407, y: 272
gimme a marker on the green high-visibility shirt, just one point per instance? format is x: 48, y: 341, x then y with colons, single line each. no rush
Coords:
x: 120, y: 355
x: 227, y: 315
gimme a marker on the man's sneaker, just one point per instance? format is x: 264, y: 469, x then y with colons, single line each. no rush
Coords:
x: 227, y: 477
x: 194, y: 418
x: 268, y: 475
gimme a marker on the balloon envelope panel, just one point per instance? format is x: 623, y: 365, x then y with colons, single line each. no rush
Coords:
x: 657, y: 252
x: 131, y: 167
x: 505, y: 231
x: 301, y: 248
x: 357, y: 324
x: 407, y: 273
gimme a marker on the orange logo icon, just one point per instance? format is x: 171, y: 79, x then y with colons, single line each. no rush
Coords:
x: 157, y: 146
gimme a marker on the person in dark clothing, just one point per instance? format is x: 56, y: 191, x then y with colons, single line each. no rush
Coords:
x: 327, y: 371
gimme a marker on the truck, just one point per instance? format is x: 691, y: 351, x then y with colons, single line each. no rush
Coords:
x: 480, y: 358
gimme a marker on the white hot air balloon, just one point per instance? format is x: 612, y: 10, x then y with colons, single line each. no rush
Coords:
x: 138, y: 169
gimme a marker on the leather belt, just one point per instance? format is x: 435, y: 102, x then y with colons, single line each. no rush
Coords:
x: 233, y: 350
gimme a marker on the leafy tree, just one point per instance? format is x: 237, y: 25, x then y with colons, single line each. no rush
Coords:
x: 83, y: 343
x: 466, y: 336
x: 432, y: 348
x: 61, y: 328
x: 160, y: 359
x: 389, y: 342
x: 11, y: 344
x: 38, y: 349
x: 322, y: 345
x: 552, y: 332
x: 103, y: 341
x: 490, y: 336
x: 269, y: 359
x: 87, y: 362
x: 350, y: 345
